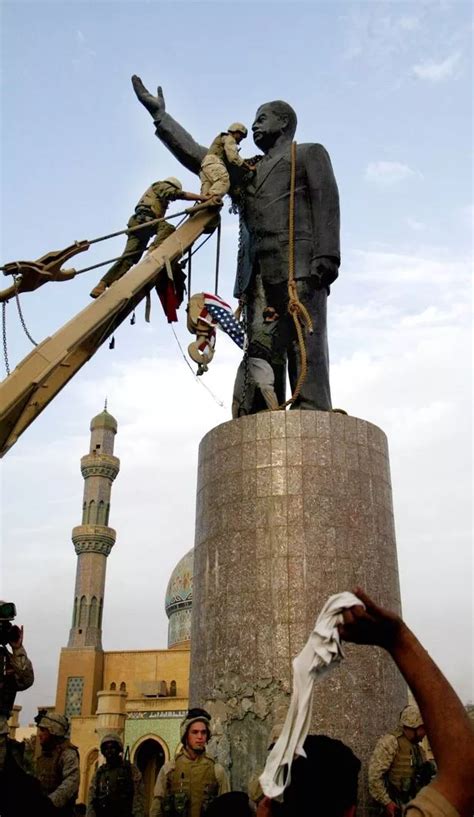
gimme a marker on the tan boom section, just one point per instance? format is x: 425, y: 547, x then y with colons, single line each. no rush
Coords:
x: 42, y: 374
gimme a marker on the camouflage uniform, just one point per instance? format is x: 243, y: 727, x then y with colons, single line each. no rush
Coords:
x: 213, y: 174
x: 186, y: 787
x: 430, y: 803
x: 18, y: 676
x: 57, y: 769
x: 393, y: 769
x: 153, y: 204
x: 116, y: 792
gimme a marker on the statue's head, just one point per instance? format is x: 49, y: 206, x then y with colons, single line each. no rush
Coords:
x: 273, y: 120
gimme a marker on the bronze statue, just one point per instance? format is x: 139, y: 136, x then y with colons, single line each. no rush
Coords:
x: 263, y: 201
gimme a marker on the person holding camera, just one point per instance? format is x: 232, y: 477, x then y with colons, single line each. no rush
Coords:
x: 16, y: 670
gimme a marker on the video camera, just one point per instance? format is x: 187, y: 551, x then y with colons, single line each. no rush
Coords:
x: 8, y: 631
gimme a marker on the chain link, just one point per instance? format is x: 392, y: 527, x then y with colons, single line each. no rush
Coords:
x: 20, y: 313
x: 4, y: 336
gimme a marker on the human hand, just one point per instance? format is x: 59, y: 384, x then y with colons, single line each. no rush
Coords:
x: 155, y: 105
x: 16, y: 637
x: 327, y: 270
x: 264, y: 808
x: 370, y: 625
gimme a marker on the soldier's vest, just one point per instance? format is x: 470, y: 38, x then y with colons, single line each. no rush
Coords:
x: 403, y: 773
x: 48, y: 766
x: 191, y: 787
x: 114, y: 790
x: 8, y: 687
x: 217, y: 147
x: 155, y: 200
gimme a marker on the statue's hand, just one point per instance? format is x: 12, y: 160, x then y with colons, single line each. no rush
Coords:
x: 325, y: 271
x: 155, y: 105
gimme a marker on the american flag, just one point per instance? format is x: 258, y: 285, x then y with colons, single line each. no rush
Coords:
x: 218, y: 312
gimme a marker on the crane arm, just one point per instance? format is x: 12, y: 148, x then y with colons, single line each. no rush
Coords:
x: 41, y: 375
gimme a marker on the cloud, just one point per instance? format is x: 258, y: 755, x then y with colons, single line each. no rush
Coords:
x: 415, y: 225
x: 438, y: 71
x: 389, y: 173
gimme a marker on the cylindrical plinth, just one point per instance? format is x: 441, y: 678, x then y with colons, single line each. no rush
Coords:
x: 291, y: 508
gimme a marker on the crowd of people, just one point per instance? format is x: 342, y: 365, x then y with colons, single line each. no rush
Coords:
x: 324, y: 782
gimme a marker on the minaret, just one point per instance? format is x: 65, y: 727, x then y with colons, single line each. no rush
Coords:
x: 93, y: 539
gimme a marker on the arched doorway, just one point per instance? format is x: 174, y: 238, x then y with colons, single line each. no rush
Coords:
x: 149, y: 758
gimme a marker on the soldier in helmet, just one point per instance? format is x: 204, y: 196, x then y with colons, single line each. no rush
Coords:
x: 152, y: 205
x: 214, y: 175
x: 398, y: 768
x: 57, y: 767
x: 116, y: 789
x: 188, y: 784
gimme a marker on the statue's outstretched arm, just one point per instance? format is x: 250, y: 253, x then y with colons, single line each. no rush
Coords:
x: 172, y: 134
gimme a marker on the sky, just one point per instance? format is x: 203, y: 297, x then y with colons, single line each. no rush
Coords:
x: 386, y: 87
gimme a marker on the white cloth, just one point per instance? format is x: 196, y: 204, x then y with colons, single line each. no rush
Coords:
x: 318, y: 656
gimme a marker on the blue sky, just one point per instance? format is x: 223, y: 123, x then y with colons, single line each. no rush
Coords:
x: 386, y: 87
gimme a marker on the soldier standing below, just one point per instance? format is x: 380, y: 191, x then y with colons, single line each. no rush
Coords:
x: 16, y: 670
x: 57, y: 767
x: 398, y: 768
x: 152, y: 205
x: 116, y: 789
x: 215, y: 180
x: 189, y: 783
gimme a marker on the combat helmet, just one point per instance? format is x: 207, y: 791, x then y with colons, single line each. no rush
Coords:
x: 174, y: 182
x: 55, y: 723
x: 239, y: 127
x: 194, y: 715
x: 411, y: 716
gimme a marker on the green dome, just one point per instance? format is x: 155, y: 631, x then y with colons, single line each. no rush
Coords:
x: 104, y: 420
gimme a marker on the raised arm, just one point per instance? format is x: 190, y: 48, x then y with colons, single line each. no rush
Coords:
x: 447, y: 725
x: 171, y: 133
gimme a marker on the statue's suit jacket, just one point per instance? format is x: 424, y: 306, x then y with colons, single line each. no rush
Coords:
x: 266, y: 214
x: 264, y: 235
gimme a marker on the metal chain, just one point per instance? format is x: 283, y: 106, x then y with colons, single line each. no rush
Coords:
x: 4, y: 336
x: 20, y: 313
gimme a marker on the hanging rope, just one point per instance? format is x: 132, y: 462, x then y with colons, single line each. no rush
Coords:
x: 20, y: 314
x: 297, y: 310
x: 218, y: 256
x: 4, y: 337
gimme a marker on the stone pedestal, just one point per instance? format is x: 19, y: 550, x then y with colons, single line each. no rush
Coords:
x: 291, y: 507
x: 111, y: 713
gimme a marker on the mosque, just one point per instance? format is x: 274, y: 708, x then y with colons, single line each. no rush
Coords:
x: 141, y: 694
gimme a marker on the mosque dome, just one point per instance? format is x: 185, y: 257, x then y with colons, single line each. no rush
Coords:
x: 104, y: 420
x: 178, y: 602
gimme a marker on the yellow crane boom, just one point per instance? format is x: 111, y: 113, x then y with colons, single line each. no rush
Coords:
x: 42, y: 374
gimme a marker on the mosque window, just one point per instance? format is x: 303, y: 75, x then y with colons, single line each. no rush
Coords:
x: 74, y: 614
x: 123, y: 686
x: 173, y: 689
x: 74, y: 691
x: 93, y: 612
x: 91, y: 512
x: 113, y: 686
x: 101, y: 608
x: 101, y: 512
x: 82, y: 612
x: 84, y: 513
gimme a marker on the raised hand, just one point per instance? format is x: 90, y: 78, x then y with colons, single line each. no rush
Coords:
x: 370, y: 624
x: 155, y: 105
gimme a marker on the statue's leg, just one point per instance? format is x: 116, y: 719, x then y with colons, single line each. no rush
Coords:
x: 260, y: 296
x: 315, y: 392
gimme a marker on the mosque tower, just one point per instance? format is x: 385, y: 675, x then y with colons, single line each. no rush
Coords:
x: 93, y: 539
x: 81, y: 663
